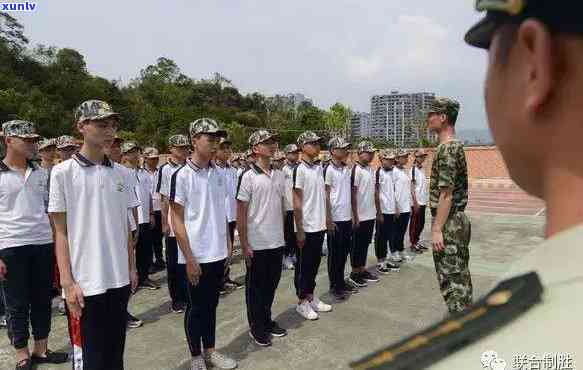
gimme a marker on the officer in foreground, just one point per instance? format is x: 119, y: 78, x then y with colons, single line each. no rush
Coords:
x: 534, y: 104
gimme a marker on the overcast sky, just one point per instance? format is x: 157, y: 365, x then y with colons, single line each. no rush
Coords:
x: 329, y: 50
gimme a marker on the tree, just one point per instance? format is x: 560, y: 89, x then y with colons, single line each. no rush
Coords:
x: 11, y: 33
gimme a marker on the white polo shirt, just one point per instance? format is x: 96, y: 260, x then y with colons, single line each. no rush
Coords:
x: 155, y: 196
x: 231, y: 179
x: 165, y: 173
x: 421, y: 185
x: 338, y: 178
x: 363, y: 179
x: 310, y: 179
x: 23, y: 216
x: 288, y: 174
x: 402, y: 190
x: 202, y: 193
x: 264, y: 194
x: 144, y: 191
x: 384, y: 179
x: 96, y: 199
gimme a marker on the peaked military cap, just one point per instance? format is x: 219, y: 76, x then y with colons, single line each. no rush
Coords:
x: 178, y: 140
x: 206, y: 126
x: 94, y: 110
x: 46, y: 143
x: 21, y: 129
x: 291, y: 148
x: 261, y: 136
x: 308, y: 137
x: 66, y: 141
x: 559, y: 16
x: 338, y: 142
x: 366, y: 147
x: 129, y: 146
x: 151, y: 153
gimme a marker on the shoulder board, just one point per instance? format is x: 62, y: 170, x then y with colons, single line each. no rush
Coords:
x: 510, y: 299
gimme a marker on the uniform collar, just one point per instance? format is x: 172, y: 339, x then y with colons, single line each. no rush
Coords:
x: 309, y: 164
x: 362, y: 165
x: 196, y: 167
x: 5, y: 168
x: 84, y: 162
x: 259, y: 170
x: 172, y: 163
x: 556, y: 260
x: 227, y: 165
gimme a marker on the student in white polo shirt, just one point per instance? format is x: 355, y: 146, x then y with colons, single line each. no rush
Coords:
x: 310, y: 219
x: 197, y: 199
x: 364, y: 213
x: 292, y: 155
x: 178, y: 146
x: 338, y: 216
x: 89, y: 201
x: 420, y: 198
x: 151, y: 160
x: 385, y: 203
x: 402, y: 205
x: 26, y: 247
x: 144, y: 252
x: 114, y: 154
x: 222, y: 156
x: 260, y: 223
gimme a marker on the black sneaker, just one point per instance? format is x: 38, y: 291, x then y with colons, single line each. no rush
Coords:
x: 357, y: 280
x: 277, y: 331
x: 178, y: 307
x: 234, y: 284
x: 370, y: 277
x: 25, y: 364
x: 50, y: 358
x: 421, y: 246
x: 224, y: 290
x: 148, y: 284
x: 260, y: 340
x: 340, y: 295
x: 382, y: 269
x: 349, y: 288
x: 134, y: 322
x: 392, y: 266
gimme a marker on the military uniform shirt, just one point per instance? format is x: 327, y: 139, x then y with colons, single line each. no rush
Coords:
x: 449, y: 170
x: 553, y: 326
x: 402, y: 182
x: 288, y: 172
x: 363, y: 179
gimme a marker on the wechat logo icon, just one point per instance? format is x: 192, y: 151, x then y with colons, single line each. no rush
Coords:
x: 491, y: 361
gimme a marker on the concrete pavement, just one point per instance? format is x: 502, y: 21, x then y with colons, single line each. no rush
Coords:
x: 401, y: 303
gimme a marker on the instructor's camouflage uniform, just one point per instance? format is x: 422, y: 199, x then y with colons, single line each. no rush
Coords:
x: 449, y: 170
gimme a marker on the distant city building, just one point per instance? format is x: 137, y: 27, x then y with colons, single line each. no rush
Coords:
x: 397, y: 118
x: 360, y: 125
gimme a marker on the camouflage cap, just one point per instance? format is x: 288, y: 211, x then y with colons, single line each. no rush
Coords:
x: 151, y: 153
x: 46, y: 143
x: 338, y: 143
x: 21, y: 129
x: 225, y: 141
x: 129, y: 146
x: 291, y: 148
x: 366, y: 147
x: 325, y: 157
x: 261, y: 136
x: 447, y: 106
x: 235, y: 158
x: 117, y: 139
x: 206, y: 126
x: 178, y: 140
x: 248, y: 153
x: 308, y: 137
x: 278, y: 156
x: 401, y: 153
x: 94, y: 110
x: 420, y: 153
x: 66, y: 141
x: 388, y: 154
